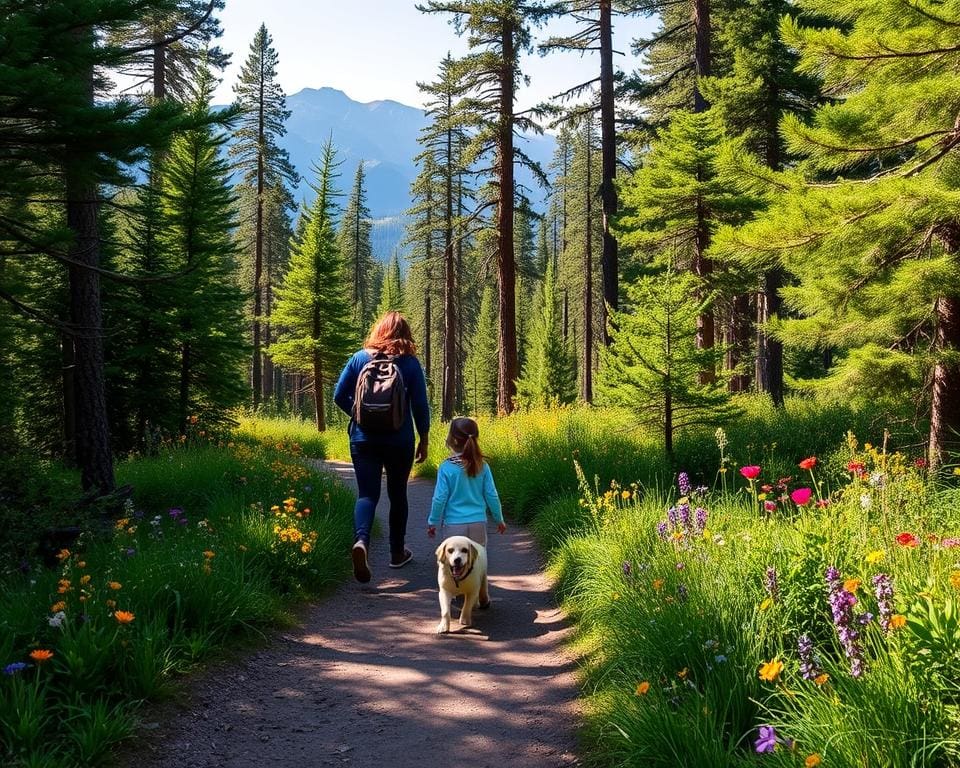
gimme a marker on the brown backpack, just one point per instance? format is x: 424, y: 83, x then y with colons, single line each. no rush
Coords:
x: 380, y: 398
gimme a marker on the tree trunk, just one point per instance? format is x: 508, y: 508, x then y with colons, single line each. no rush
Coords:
x: 159, y: 66
x: 668, y: 420
x: 507, y: 362
x: 69, y: 405
x: 701, y: 52
x: 702, y: 266
x: 427, y: 335
x: 94, y: 456
x: 185, y: 364
x: 448, y: 395
x: 587, y: 378
x: 268, y: 367
x: 608, y: 191
x: 738, y: 343
x: 256, y: 376
x: 945, y: 405
x: 770, y: 350
x: 318, y: 392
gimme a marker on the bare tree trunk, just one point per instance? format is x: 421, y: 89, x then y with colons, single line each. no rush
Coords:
x: 701, y: 52
x: 770, y: 350
x: 159, y: 65
x: 256, y: 376
x: 449, y: 386
x: 738, y: 342
x: 267, y: 330
x: 587, y: 377
x: 507, y: 363
x: 318, y: 407
x: 69, y: 404
x: 608, y: 189
x: 702, y: 266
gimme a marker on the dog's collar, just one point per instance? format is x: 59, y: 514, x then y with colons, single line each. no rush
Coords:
x: 457, y: 581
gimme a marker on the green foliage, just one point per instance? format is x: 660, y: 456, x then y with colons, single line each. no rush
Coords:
x: 480, y: 376
x: 353, y: 241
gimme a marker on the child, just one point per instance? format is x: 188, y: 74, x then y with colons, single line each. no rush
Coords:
x: 465, y: 488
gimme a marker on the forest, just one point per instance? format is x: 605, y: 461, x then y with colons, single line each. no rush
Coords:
x: 743, y: 254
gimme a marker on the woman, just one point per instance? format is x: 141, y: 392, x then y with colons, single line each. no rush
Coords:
x: 385, y: 448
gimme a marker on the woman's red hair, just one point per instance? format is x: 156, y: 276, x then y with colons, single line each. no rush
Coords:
x: 391, y: 334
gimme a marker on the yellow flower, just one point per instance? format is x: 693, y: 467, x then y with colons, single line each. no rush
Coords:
x: 124, y: 617
x: 615, y: 595
x: 821, y: 679
x: 658, y: 583
x: 851, y: 586
x: 812, y: 761
x: 82, y: 564
x: 767, y: 602
x: 306, y: 547
x: 898, y: 621
x: 955, y: 579
x: 682, y: 674
x: 761, y: 497
x: 57, y: 607
x: 642, y: 688
x: 209, y: 554
x: 63, y: 554
x: 114, y: 585
x: 624, y: 495
x: 122, y: 523
x: 40, y: 655
x: 875, y: 556
x: 111, y: 603
x: 771, y: 670
x: 85, y: 579
x: 956, y: 470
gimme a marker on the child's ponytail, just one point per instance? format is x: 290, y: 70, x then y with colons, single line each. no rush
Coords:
x: 463, y: 437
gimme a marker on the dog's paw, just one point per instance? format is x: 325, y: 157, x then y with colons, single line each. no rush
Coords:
x: 443, y: 627
x: 466, y: 622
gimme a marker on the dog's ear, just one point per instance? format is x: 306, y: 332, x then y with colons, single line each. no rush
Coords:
x: 439, y: 552
x: 474, y: 553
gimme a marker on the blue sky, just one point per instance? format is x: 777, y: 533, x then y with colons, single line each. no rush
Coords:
x: 379, y: 49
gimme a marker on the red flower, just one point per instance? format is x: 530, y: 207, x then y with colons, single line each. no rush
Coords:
x: 770, y: 506
x: 751, y: 473
x: 907, y: 539
x: 801, y: 496
x: 920, y: 463
x: 856, y: 467
x: 808, y: 463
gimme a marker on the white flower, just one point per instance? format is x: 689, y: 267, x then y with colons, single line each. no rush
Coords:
x: 57, y: 619
x: 720, y: 658
x: 876, y: 479
x: 866, y: 501
x: 718, y: 540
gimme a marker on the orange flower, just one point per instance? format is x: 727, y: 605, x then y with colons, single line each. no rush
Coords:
x: 682, y: 674
x: 770, y: 671
x: 658, y: 583
x: 851, y: 585
x: 812, y: 761
x: 57, y: 607
x: 642, y: 688
x: 40, y: 655
x: 821, y: 679
x: 85, y: 579
x: 808, y: 463
x: 209, y: 554
x: 124, y: 617
x: 63, y: 554
x: 114, y: 585
x: 898, y: 621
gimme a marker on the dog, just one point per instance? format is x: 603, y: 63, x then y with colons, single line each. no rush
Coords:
x: 462, y: 571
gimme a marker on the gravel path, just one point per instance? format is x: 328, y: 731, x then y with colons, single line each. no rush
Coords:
x: 365, y: 682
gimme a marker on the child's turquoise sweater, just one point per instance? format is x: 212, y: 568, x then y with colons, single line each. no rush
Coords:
x: 460, y: 499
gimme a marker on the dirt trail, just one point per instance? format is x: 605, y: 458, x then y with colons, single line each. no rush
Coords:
x: 365, y: 682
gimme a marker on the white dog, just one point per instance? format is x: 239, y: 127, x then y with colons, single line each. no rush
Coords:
x: 462, y: 571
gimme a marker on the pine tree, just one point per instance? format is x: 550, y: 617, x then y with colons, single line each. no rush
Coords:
x: 652, y: 367
x: 875, y: 256
x: 481, y: 371
x: 498, y: 31
x: 316, y: 335
x: 265, y: 168
x: 354, y: 244
x: 391, y: 293
x: 549, y: 377
x: 198, y: 216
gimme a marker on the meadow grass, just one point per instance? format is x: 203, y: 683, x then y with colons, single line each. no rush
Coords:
x: 211, y: 550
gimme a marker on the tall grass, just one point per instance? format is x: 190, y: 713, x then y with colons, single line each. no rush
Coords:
x: 213, y: 546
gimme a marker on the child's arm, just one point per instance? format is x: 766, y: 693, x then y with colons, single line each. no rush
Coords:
x: 440, y: 494
x: 493, y: 498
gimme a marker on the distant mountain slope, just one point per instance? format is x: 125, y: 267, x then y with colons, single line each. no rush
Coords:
x: 383, y: 135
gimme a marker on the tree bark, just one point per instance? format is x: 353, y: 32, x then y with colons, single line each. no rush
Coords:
x: 268, y: 368
x: 608, y: 191
x: 945, y: 404
x: 587, y: 377
x: 256, y: 374
x: 701, y: 53
x: 449, y: 392
x: 69, y: 405
x: 770, y: 350
x: 507, y: 362
x: 738, y: 342
x: 318, y: 407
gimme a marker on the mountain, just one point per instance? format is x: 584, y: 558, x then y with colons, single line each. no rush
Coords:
x: 381, y: 134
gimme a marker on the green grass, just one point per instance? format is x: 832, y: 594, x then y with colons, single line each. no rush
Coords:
x: 215, y: 544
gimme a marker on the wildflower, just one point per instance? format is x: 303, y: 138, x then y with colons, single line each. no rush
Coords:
x: 18, y: 666
x: 682, y: 593
x: 920, y: 463
x: 683, y: 483
x: 812, y: 761
x: 658, y: 583
x: 801, y: 496
x: 875, y: 556
x: 769, y: 506
x: 750, y: 472
x: 82, y: 564
x: 700, y: 519
x: 130, y: 552
x: 63, y: 554
x: 883, y: 591
x: 682, y: 674
x: 809, y: 668
x: 642, y: 688
x: 823, y: 503
x: 955, y: 579
x: 855, y: 467
x: 770, y: 583
x: 767, y: 741
x: 58, y: 606
x: 662, y: 529
x: 907, y: 539
x: 56, y: 621
x: 110, y: 603
x: 808, y: 463
x: 123, y: 617
x: 770, y: 671
x: 209, y: 554
x: 841, y: 607
x: 766, y: 603
x: 175, y: 512
x: 898, y: 621
x: 625, y: 495
x: 821, y: 679
x: 627, y: 568
x: 85, y: 579
x: 950, y: 543
x: 851, y: 585
x: 41, y: 655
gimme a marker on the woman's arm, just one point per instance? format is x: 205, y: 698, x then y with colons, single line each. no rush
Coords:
x: 346, y: 385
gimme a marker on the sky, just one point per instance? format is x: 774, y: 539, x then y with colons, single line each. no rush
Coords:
x: 379, y: 49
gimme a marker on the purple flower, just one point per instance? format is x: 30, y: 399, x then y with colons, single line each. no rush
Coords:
x: 682, y: 593
x: 701, y: 519
x: 680, y: 566
x: 767, y: 741
x: 175, y: 512
x: 883, y: 591
x: 683, y: 482
x: 808, y: 662
x: 684, y: 512
x: 770, y: 583
x: 130, y: 552
x: 672, y: 517
x: 627, y: 568
x: 11, y: 669
x: 662, y: 527
x: 844, y: 621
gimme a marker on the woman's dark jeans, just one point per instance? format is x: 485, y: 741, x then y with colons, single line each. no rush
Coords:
x: 369, y: 461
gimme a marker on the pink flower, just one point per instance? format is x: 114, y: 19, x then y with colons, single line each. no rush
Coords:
x: 751, y: 473
x: 950, y: 543
x: 801, y: 496
x: 823, y: 503
x: 770, y: 506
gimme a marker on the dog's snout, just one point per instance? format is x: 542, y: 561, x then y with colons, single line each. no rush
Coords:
x: 457, y: 560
